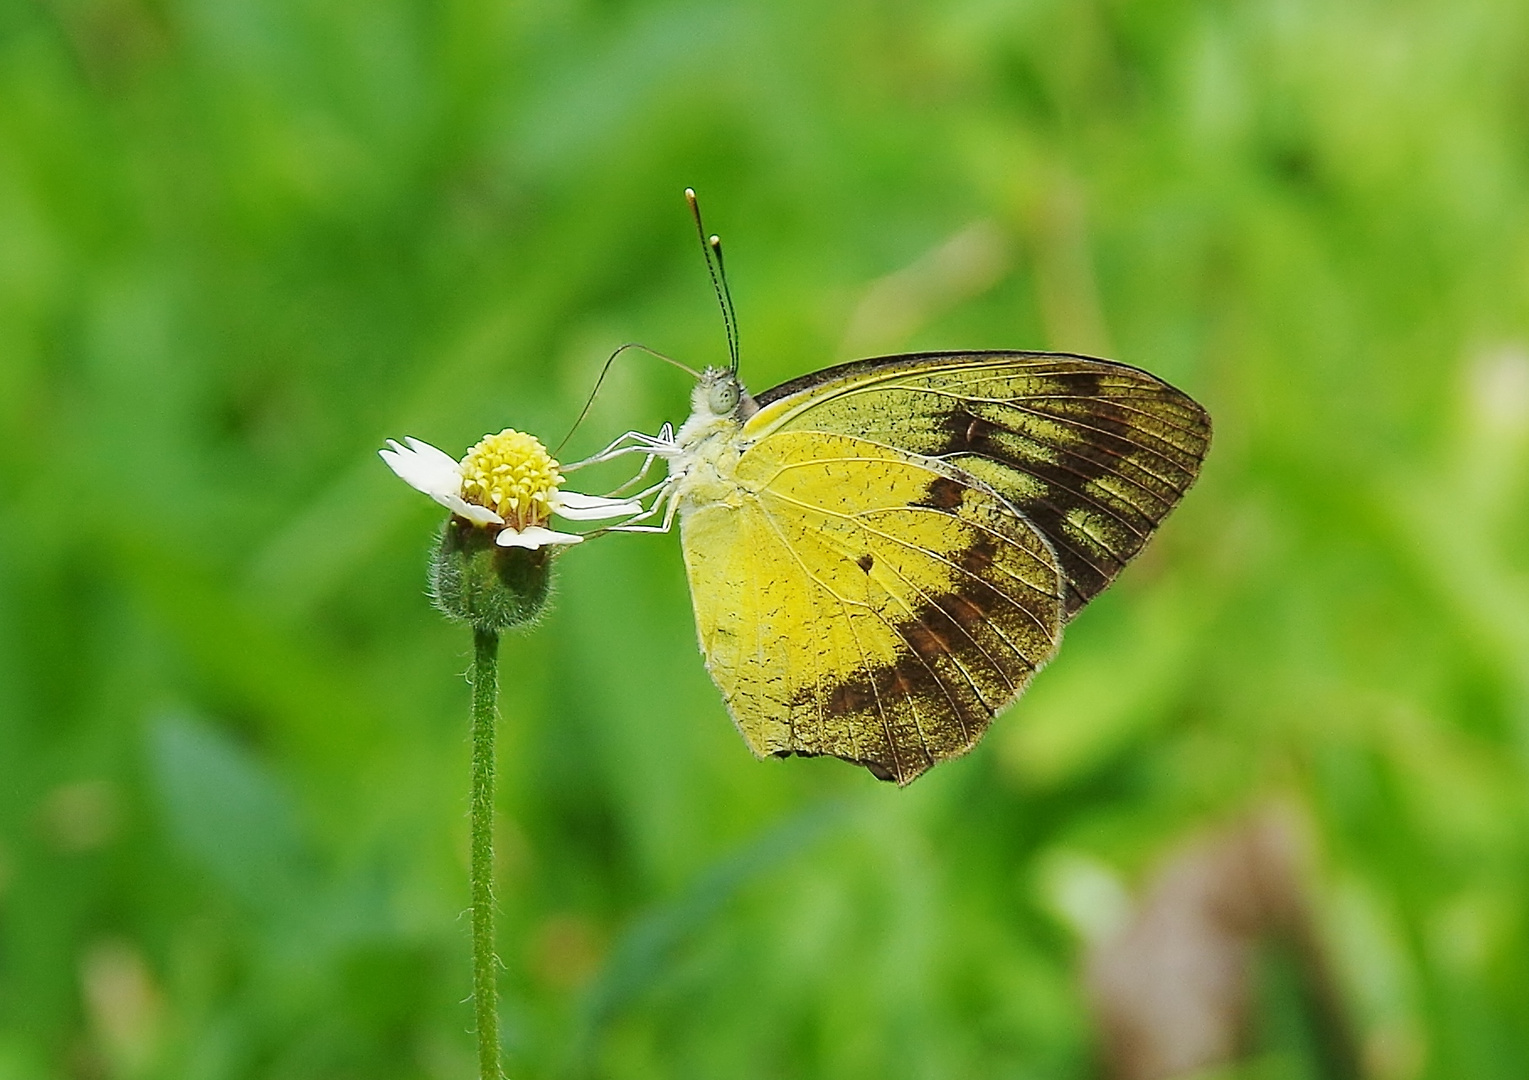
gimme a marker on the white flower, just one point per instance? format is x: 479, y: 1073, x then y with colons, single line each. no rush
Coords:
x: 508, y: 483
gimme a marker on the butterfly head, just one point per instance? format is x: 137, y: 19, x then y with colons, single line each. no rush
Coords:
x: 719, y: 394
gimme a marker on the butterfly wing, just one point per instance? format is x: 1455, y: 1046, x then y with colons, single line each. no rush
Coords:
x: 908, y: 535
x: 1093, y: 453
x: 858, y: 600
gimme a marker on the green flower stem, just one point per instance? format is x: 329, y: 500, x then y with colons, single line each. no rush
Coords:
x: 485, y: 684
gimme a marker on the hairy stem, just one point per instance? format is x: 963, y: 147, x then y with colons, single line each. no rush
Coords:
x: 485, y: 694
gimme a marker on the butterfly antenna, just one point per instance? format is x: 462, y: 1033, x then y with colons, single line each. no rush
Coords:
x: 715, y: 243
x: 589, y: 404
x: 711, y: 249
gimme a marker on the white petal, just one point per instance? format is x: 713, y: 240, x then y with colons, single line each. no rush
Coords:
x: 577, y: 507
x: 424, y: 468
x: 478, y: 515
x: 534, y: 536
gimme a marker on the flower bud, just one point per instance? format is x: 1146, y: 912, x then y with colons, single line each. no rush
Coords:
x: 489, y: 586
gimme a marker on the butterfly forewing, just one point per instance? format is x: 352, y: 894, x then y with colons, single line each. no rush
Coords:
x: 1093, y: 453
x: 861, y: 601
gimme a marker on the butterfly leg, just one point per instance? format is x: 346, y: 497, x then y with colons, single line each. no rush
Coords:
x: 633, y: 442
x: 668, y: 500
x: 647, y: 464
x: 645, y: 492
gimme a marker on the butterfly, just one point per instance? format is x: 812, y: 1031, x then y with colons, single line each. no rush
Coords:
x: 882, y: 554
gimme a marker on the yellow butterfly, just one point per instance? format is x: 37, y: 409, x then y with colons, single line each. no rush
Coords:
x: 882, y: 554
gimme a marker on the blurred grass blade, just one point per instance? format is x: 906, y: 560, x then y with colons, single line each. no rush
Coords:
x: 226, y: 813
x: 642, y: 954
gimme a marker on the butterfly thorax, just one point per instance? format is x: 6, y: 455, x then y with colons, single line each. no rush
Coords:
x: 710, y: 443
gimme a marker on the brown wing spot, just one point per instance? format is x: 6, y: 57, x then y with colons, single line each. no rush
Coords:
x: 943, y: 494
x: 978, y: 557
x: 977, y: 430
x: 965, y: 430
x: 946, y: 622
x: 865, y: 562
x: 965, y: 610
x: 912, y: 676
x: 900, y: 682
x: 850, y: 697
x: 925, y: 641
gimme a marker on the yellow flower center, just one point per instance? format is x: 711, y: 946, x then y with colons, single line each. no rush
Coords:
x: 513, y: 475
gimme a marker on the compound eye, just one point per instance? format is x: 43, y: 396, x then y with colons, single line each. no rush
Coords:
x: 724, y: 398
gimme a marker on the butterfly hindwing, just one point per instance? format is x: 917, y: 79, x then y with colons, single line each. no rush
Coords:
x: 1093, y: 453
x: 865, y: 602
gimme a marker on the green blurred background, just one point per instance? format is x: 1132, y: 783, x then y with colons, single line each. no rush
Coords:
x: 243, y: 242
